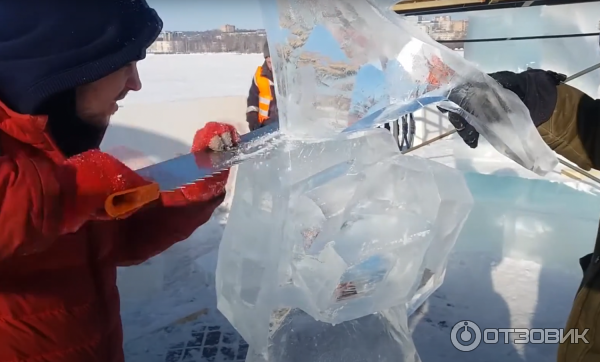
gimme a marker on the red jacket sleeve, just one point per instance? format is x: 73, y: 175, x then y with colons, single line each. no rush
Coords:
x: 31, y: 215
x: 30, y: 206
x: 156, y: 228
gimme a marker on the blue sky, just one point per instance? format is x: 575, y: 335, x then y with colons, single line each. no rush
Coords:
x: 198, y: 15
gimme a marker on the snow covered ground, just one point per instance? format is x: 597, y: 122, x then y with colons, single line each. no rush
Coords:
x: 187, y: 77
x: 515, y: 277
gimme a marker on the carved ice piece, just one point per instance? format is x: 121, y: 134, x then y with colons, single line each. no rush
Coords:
x: 319, y: 47
x: 335, y: 240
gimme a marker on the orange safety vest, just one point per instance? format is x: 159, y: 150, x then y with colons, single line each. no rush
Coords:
x: 264, y: 94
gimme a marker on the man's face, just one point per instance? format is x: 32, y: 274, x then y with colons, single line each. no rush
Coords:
x: 269, y: 65
x: 97, y: 101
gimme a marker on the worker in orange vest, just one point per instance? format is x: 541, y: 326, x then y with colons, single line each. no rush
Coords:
x: 262, y: 103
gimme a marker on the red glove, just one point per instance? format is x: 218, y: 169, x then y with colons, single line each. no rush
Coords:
x: 87, y: 180
x: 215, y: 137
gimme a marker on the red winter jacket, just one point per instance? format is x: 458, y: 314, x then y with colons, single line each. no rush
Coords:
x: 58, y: 294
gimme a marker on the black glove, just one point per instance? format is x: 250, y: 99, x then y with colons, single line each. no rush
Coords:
x: 464, y: 129
x: 535, y: 87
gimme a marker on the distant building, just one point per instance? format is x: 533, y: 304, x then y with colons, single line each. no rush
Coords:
x: 444, y: 36
x: 228, y: 28
x: 165, y: 36
x: 167, y: 47
x: 445, y: 25
x: 459, y: 26
x: 161, y: 47
x: 442, y: 18
x: 243, y: 32
x: 440, y: 27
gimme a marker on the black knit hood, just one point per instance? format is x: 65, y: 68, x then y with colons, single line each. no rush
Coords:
x: 50, y: 47
x: 47, y: 47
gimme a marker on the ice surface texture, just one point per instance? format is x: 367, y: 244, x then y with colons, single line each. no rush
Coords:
x: 336, y: 239
x: 319, y: 47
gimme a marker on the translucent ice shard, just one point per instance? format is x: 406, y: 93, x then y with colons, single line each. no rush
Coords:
x: 333, y: 241
x: 319, y: 48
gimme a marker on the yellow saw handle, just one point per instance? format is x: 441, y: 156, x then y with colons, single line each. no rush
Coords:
x: 123, y: 202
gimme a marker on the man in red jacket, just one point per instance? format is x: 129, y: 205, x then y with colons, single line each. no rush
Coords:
x: 63, y: 66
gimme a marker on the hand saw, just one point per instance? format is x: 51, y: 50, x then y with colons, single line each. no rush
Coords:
x: 184, y: 170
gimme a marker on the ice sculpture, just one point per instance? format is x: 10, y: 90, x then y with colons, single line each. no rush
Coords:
x: 316, y: 74
x: 329, y: 242
x: 334, y: 238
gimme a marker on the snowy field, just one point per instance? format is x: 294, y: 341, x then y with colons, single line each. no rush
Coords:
x: 184, y: 77
x: 508, y: 278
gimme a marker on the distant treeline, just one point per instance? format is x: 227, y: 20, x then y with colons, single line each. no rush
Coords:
x: 217, y: 42
x: 238, y: 42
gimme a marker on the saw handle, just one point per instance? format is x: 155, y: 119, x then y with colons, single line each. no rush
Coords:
x: 123, y: 202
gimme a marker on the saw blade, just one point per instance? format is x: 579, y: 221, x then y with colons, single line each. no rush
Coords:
x: 175, y: 173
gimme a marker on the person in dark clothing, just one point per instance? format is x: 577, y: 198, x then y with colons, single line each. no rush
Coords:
x: 569, y: 122
x: 262, y: 102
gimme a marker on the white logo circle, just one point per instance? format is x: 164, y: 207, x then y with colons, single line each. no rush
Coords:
x: 462, y: 336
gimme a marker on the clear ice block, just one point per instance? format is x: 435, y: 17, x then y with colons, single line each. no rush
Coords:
x: 319, y: 47
x: 335, y: 240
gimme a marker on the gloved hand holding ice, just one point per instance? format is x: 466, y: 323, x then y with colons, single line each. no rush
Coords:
x: 334, y: 241
x: 319, y: 49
